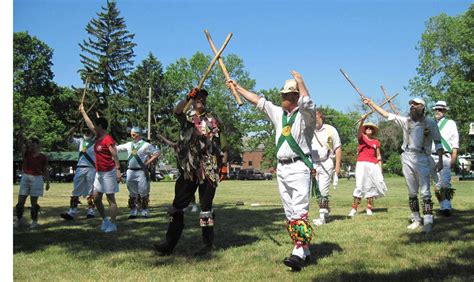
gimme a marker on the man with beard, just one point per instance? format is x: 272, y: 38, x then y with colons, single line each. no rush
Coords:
x: 140, y: 155
x: 294, y: 124
x: 200, y: 157
x: 450, y: 141
x: 419, y: 132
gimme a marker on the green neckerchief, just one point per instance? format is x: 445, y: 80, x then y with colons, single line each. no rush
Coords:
x: 134, y: 154
x: 286, y: 136
x: 85, y: 146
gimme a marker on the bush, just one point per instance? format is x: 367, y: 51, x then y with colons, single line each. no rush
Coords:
x: 393, y: 165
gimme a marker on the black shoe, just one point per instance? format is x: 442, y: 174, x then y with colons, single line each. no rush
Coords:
x: 204, y: 251
x: 66, y: 216
x: 307, y: 260
x: 163, y: 248
x: 132, y: 217
x: 90, y: 216
x: 446, y: 212
x: 295, y: 262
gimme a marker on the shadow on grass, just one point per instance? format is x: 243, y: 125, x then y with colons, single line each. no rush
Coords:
x: 235, y: 226
x: 322, y: 250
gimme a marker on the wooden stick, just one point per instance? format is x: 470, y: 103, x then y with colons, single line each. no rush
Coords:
x: 85, y: 91
x: 70, y: 131
x: 209, y: 68
x: 373, y: 111
x: 392, y: 106
x: 352, y: 83
x: 223, y: 67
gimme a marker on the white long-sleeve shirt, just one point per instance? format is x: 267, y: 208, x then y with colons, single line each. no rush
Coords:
x: 80, y: 142
x: 301, y: 130
x: 450, y: 133
x: 143, y: 153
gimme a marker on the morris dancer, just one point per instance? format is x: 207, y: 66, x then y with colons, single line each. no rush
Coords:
x: 326, y: 145
x: 84, y: 176
x: 140, y: 155
x: 200, y: 156
x: 450, y: 141
x: 294, y: 125
x: 369, y: 178
x: 418, y: 134
x: 107, y: 170
x: 35, y: 172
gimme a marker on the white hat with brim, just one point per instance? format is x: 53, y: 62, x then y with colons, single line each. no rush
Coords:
x: 290, y: 87
x: 441, y: 105
x: 418, y: 101
x: 136, y: 129
x: 374, y: 127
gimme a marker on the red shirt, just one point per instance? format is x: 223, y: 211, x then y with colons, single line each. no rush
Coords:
x: 367, y: 149
x: 103, y: 158
x: 34, y: 165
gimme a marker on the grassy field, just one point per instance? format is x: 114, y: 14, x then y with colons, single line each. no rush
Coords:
x: 251, y: 241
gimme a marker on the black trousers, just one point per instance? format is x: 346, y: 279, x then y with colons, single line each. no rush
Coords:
x: 184, y: 193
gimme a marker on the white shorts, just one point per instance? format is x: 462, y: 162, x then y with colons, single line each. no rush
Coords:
x: 31, y: 185
x: 83, y: 181
x: 106, y: 182
x: 137, y: 183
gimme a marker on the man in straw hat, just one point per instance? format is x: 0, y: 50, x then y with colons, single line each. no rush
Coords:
x: 369, y: 178
x: 418, y: 134
x: 140, y: 155
x: 294, y: 124
x: 326, y: 146
x: 450, y: 141
x: 200, y: 156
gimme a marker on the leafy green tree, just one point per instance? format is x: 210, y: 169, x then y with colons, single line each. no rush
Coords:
x: 107, y: 58
x: 446, y: 67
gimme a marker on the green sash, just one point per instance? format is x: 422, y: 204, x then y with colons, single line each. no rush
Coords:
x: 286, y: 136
x: 85, y: 146
x: 134, y: 154
x: 443, y: 141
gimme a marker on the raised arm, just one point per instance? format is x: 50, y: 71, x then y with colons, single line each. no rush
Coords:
x: 300, y: 82
x: 361, y: 129
x: 249, y: 96
x: 374, y: 106
x: 88, y: 121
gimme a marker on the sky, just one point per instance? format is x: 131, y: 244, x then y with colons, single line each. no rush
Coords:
x: 373, y: 41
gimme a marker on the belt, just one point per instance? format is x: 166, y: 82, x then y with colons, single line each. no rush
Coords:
x: 134, y: 168
x: 414, y: 150
x: 290, y: 160
x: 84, y: 166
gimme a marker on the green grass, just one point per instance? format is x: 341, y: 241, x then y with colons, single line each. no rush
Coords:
x: 251, y: 241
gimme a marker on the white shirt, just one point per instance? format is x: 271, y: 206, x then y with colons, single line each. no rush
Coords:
x: 79, y: 142
x: 143, y: 153
x: 302, y: 129
x: 320, y: 151
x: 418, y: 136
x: 450, y: 133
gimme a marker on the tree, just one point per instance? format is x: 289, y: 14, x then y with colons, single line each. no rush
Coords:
x: 107, y: 58
x: 446, y: 67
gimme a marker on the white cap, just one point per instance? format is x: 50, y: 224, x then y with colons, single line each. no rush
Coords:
x: 441, y: 105
x: 418, y: 101
x: 136, y: 129
x: 290, y: 87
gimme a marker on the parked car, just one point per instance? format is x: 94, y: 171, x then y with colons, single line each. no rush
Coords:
x: 268, y: 176
x: 61, y: 177
x: 350, y: 174
x: 159, y: 176
x: 232, y: 175
x: 250, y: 174
x: 173, y: 174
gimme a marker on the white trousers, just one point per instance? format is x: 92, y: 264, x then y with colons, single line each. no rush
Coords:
x: 444, y: 176
x: 293, y: 184
x: 137, y: 183
x: 417, y: 171
x: 369, y: 181
x: 324, y: 172
x: 83, y: 181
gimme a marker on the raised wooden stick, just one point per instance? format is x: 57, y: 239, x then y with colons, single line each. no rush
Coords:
x: 70, y: 131
x: 209, y: 68
x: 224, y: 69
x: 362, y: 96
x: 85, y: 91
x: 373, y: 111
x: 392, y: 106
